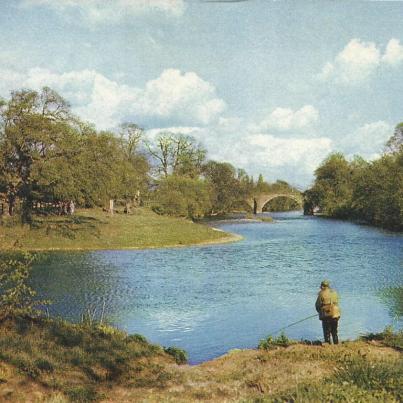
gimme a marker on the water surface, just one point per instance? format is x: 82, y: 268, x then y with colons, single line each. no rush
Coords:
x: 210, y: 299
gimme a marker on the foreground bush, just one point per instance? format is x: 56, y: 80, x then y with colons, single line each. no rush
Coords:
x: 17, y: 298
x: 273, y: 342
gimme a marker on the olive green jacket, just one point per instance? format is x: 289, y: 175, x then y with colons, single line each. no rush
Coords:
x: 327, y: 304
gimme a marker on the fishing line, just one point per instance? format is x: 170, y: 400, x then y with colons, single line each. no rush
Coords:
x: 295, y: 323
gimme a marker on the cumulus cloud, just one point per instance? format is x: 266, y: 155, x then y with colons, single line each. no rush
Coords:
x: 359, y: 60
x: 394, y: 53
x: 184, y: 98
x: 287, y: 119
x: 355, y: 63
x: 101, y: 11
x: 368, y: 140
x: 185, y: 95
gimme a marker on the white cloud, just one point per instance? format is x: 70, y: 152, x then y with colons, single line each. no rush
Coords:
x: 359, y: 60
x: 355, y: 63
x: 368, y: 140
x: 394, y: 53
x: 106, y: 11
x: 287, y: 119
x: 291, y: 159
x: 183, y: 98
x: 186, y: 96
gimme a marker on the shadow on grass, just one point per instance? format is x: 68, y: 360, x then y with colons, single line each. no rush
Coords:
x: 68, y: 226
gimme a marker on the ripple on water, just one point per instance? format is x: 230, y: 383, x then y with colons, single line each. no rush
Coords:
x: 210, y: 299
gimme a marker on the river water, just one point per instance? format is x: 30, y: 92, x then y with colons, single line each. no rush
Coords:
x: 210, y: 299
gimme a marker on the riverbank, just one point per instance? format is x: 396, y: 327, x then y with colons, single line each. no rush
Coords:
x: 94, y: 229
x: 55, y: 361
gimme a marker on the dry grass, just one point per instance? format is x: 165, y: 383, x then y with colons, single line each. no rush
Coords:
x: 255, y: 375
x: 54, y: 361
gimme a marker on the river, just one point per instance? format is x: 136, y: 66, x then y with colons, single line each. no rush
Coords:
x: 211, y: 299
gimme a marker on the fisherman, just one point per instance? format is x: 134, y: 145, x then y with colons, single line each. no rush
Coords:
x: 327, y: 305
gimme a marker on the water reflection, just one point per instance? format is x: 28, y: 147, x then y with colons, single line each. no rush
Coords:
x: 393, y: 297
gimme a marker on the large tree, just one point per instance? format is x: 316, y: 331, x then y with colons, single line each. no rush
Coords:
x: 177, y: 154
x: 225, y: 189
x: 34, y: 125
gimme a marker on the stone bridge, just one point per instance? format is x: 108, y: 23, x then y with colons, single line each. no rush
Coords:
x: 257, y: 202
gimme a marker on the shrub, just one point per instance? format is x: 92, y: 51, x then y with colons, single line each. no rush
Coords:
x: 65, y: 334
x: 372, y: 376
x: 17, y: 298
x: 180, y: 355
x: 44, y: 365
x: 26, y: 367
x: 270, y: 342
x: 82, y: 393
x: 328, y: 391
x: 387, y: 337
x: 137, y: 338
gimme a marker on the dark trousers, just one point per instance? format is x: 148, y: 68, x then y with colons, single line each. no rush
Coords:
x: 330, y: 328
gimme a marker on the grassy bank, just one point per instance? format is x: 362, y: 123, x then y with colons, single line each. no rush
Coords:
x: 95, y: 229
x: 54, y: 361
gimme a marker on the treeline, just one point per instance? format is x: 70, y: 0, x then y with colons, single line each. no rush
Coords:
x: 51, y: 160
x: 370, y: 192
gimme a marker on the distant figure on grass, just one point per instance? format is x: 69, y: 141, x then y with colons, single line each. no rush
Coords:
x: 327, y: 305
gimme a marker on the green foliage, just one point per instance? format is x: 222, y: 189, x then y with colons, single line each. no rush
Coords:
x: 395, y: 143
x: 17, y: 298
x: 225, y: 186
x: 272, y: 342
x: 370, y: 192
x: 371, y: 376
x: 183, y: 197
x: 180, y: 355
x: 49, y: 156
x: 388, y: 337
x: 328, y: 391
x: 82, y: 394
x: 138, y: 338
x: 44, y: 365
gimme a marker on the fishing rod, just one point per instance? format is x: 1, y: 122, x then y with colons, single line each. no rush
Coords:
x: 295, y: 323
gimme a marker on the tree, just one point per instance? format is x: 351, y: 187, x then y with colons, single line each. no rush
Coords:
x: 378, y: 192
x: 368, y: 191
x: 333, y: 186
x: 177, y: 154
x: 33, y: 126
x: 135, y: 167
x: 395, y: 143
x: 183, y: 197
x: 224, y: 185
x: 262, y: 186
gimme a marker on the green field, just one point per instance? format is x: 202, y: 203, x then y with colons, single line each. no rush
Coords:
x: 96, y: 229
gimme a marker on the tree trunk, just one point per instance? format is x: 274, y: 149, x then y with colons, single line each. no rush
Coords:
x: 11, y: 204
x: 27, y: 211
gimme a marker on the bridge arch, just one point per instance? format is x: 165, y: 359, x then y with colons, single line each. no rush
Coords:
x: 258, y: 202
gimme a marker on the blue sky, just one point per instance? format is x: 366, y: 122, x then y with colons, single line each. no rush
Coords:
x: 270, y: 86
